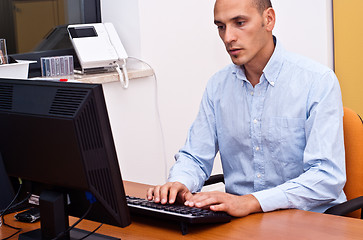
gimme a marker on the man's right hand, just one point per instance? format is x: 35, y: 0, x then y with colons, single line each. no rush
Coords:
x: 169, y: 193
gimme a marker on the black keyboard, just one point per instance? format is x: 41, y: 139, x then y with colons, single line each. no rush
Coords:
x: 180, y: 213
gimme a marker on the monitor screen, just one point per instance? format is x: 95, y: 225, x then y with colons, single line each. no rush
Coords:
x: 57, y: 135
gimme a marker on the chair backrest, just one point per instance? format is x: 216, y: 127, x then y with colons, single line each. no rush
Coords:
x: 353, y: 140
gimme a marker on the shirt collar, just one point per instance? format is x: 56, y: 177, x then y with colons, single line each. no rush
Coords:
x: 272, y: 68
x: 274, y: 65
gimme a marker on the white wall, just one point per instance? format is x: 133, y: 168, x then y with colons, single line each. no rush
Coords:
x: 306, y: 27
x: 179, y: 40
x: 124, y: 14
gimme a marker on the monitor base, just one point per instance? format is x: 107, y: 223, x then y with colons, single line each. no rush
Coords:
x: 74, y: 234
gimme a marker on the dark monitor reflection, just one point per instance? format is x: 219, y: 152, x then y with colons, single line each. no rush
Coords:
x: 39, y: 25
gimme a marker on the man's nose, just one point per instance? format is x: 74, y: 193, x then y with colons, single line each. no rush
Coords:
x: 229, y: 35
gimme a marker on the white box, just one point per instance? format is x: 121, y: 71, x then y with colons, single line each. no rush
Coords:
x: 17, y: 70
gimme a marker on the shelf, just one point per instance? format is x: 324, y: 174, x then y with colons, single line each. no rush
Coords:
x: 135, y: 69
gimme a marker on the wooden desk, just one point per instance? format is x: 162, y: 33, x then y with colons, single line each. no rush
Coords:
x: 285, y: 224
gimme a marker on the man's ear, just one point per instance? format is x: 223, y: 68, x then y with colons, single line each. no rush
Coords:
x: 269, y: 19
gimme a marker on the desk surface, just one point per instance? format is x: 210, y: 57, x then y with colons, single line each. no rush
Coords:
x: 285, y: 224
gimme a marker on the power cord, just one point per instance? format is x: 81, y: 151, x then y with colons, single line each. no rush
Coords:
x: 15, y: 206
x: 122, y: 73
x: 16, y: 228
x: 92, y: 200
x: 60, y: 235
x: 90, y: 233
x: 159, y: 118
x: 4, y: 212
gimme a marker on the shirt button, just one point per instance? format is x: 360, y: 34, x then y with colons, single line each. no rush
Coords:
x: 257, y: 148
x: 258, y: 175
x: 255, y: 121
x: 252, y: 93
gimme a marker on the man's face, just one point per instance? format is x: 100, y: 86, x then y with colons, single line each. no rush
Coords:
x: 242, y: 29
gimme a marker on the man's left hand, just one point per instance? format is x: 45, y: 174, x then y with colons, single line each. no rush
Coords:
x: 237, y: 206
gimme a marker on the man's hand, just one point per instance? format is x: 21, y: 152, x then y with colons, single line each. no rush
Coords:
x: 169, y: 193
x: 237, y: 206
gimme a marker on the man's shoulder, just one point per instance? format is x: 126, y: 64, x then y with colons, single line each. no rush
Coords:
x: 226, y: 70
x: 306, y: 72
x: 223, y: 74
x: 303, y: 63
x: 222, y: 80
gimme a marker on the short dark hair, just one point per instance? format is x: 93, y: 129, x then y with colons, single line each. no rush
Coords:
x: 262, y: 5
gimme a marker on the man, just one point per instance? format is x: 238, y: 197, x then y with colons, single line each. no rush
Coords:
x: 275, y: 118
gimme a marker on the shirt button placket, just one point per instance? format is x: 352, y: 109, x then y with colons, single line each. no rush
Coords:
x: 257, y: 150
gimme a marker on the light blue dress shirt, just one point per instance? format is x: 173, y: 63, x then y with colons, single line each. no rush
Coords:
x: 281, y: 140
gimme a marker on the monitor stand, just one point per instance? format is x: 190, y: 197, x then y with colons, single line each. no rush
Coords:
x: 54, y: 220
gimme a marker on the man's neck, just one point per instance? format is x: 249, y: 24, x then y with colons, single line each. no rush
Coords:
x: 254, y: 68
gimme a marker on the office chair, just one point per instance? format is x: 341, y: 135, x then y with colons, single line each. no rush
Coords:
x: 353, y: 140
x: 214, y: 179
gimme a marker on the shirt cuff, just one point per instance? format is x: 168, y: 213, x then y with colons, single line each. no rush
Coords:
x: 188, y: 182
x: 272, y: 199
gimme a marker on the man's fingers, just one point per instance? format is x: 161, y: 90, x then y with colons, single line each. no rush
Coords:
x: 186, y: 196
x: 201, y: 200
x: 173, y: 194
x: 219, y: 208
x: 168, y: 192
x: 157, y: 194
x: 164, y: 193
x: 180, y: 191
x: 150, y: 194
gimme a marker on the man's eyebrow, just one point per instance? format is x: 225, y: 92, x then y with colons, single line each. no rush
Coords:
x: 240, y: 17
x: 236, y: 18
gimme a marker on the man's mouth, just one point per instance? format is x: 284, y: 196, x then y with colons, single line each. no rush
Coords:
x: 234, y: 51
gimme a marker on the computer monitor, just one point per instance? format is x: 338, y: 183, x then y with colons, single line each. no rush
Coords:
x: 57, y: 135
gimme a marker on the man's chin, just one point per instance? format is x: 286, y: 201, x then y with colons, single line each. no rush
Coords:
x: 236, y: 60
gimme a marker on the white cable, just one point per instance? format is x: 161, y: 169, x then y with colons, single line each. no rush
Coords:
x: 159, y: 119
x: 122, y: 73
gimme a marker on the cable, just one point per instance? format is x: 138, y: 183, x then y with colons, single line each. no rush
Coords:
x: 18, y: 230
x: 7, y: 208
x: 90, y: 233
x: 12, y: 201
x: 75, y: 224
x: 159, y: 119
x: 13, y: 207
x: 60, y: 234
x: 123, y: 75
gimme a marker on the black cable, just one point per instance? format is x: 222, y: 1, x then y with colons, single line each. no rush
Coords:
x: 90, y: 233
x: 7, y: 208
x: 5, y: 224
x: 13, y: 207
x: 10, y: 206
x: 12, y: 201
x: 75, y: 224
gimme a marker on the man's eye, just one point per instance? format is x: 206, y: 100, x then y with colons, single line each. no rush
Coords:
x: 241, y: 23
x: 220, y: 27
